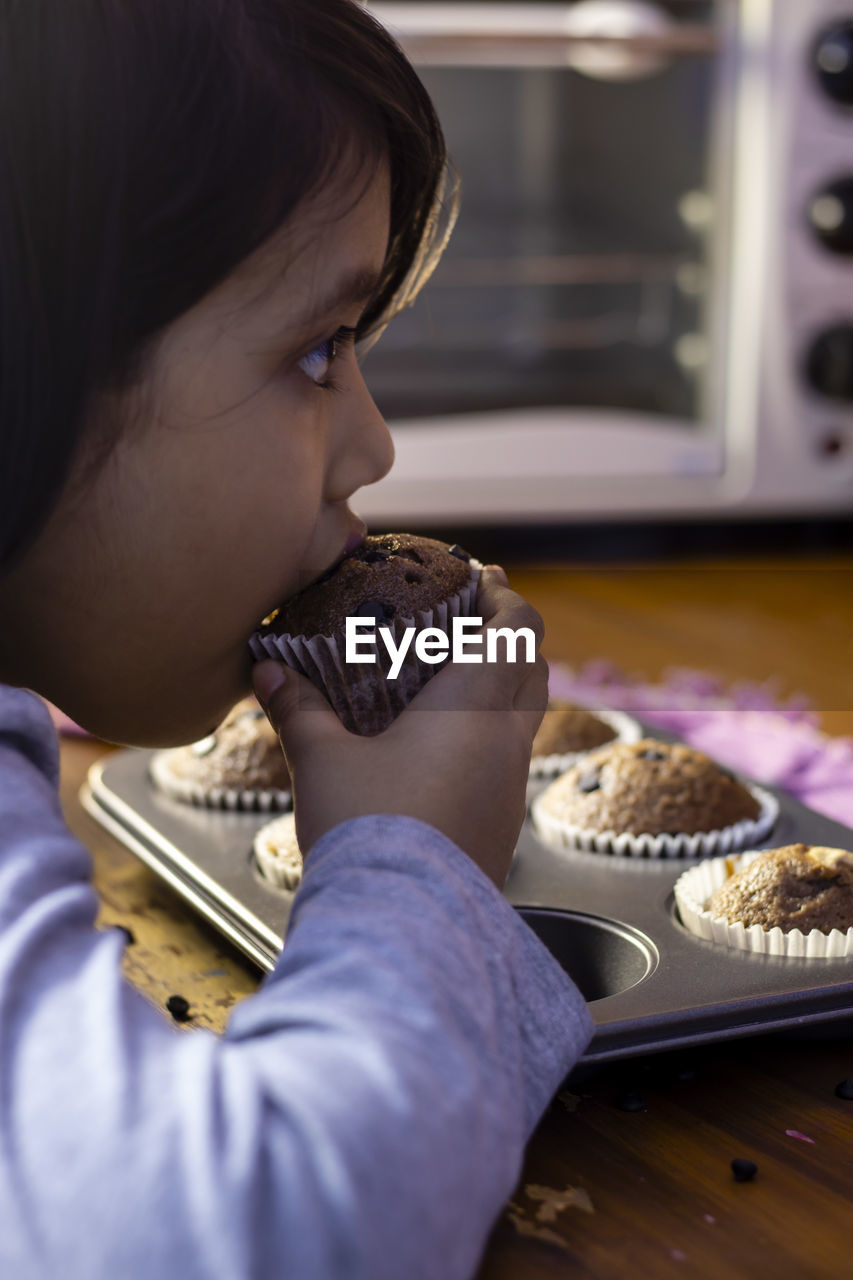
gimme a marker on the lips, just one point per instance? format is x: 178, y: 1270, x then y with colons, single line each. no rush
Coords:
x: 356, y: 537
x: 353, y: 542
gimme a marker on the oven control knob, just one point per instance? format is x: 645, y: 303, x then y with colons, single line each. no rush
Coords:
x: 830, y: 213
x: 829, y: 363
x: 834, y: 61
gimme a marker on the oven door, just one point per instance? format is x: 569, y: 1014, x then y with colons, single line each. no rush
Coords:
x: 568, y: 356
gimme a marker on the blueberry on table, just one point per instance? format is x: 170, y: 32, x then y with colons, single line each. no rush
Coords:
x: 179, y: 1008
x: 744, y: 1170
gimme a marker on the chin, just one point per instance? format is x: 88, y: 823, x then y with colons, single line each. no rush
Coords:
x: 168, y: 723
x: 133, y: 732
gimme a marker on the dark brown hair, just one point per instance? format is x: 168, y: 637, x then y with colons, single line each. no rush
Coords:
x: 146, y: 148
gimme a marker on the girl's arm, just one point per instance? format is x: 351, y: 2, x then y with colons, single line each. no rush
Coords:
x: 364, y: 1114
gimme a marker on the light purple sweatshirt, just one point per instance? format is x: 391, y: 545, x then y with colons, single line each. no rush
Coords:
x: 362, y: 1117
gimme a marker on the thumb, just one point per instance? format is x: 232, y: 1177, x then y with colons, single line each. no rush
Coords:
x: 285, y: 695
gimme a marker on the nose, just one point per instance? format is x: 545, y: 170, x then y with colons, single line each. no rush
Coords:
x: 362, y: 450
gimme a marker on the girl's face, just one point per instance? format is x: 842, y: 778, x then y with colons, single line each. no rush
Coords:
x: 226, y: 492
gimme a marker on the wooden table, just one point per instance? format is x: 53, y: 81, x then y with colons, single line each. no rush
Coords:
x: 607, y: 1192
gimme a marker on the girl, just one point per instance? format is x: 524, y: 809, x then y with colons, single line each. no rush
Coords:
x: 204, y: 204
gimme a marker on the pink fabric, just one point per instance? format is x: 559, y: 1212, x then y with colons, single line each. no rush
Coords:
x: 744, y: 727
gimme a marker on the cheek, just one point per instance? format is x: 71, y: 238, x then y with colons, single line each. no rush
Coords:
x: 224, y: 523
x: 285, y: 477
x: 238, y: 488
x: 264, y: 545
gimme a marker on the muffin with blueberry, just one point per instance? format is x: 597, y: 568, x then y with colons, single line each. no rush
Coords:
x: 569, y: 730
x: 794, y: 900
x: 652, y: 798
x: 239, y: 766
x: 394, y: 581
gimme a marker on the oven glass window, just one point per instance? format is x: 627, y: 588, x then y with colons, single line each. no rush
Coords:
x: 579, y: 270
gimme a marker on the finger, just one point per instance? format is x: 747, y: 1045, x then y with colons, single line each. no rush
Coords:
x: 509, y: 649
x: 499, y: 606
x: 286, y: 697
x: 479, y: 685
x: 516, y: 616
x: 531, y: 697
x: 493, y: 591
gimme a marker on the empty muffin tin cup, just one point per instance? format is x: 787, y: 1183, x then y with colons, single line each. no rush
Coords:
x: 693, y: 889
x: 701, y: 844
x: 603, y: 957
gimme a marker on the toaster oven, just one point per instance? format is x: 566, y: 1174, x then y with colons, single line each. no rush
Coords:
x: 646, y: 306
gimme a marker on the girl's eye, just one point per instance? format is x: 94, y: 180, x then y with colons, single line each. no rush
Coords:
x: 317, y: 364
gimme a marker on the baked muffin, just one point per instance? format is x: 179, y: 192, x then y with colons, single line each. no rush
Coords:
x: 798, y: 886
x: 277, y: 853
x: 390, y: 575
x: 795, y: 901
x: 397, y: 580
x: 654, y: 798
x: 569, y: 727
x: 569, y: 730
x: 240, y: 766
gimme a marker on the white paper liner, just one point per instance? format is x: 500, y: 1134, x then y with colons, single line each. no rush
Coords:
x: 277, y: 854
x: 249, y: 799
x: 693, y: 889
x: 626, y: 728
x: 702, y: 844
x: 365, y: 702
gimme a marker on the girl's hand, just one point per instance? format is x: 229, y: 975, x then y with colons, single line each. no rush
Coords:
x: 457, y: 757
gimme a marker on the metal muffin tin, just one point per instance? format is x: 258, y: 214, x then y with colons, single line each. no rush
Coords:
x: 610, y: 921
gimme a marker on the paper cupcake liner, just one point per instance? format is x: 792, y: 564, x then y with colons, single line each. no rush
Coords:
x: 247, y: 799
x: 700, y: 844
x: 363, y: 701
x: 277, y: 854
x: 693, y: 889
x: 626, y: 728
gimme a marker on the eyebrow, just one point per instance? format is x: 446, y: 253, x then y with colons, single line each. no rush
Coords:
x: 356, y: 287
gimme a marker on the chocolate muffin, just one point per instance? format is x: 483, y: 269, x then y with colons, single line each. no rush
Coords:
x: 651, y: 797
x: 396, y: 580
x: 240, y: 766
x: 798, y: 886
x: 390, y: 576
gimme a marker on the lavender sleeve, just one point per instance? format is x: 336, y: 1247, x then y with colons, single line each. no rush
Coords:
x: 364, y: 1115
